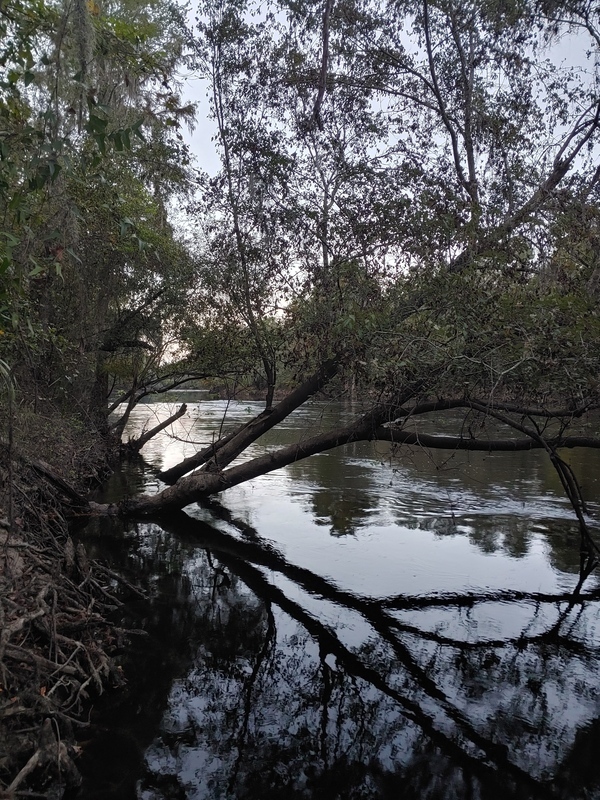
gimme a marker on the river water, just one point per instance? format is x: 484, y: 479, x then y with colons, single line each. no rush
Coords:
x: 352, y: 626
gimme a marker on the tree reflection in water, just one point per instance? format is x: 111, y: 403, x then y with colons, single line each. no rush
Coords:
x: 300, y: 689
x: 269, y: 680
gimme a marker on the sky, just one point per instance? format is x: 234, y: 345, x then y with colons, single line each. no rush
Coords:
x: 200, y: 140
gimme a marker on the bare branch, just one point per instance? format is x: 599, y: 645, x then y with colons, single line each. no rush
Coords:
x: 440, y: 100
x: 135, y: 445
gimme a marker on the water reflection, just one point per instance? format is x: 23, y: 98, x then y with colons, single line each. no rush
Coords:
x: 436, y: 653
x: 434, y: 697
x: 341, y: 505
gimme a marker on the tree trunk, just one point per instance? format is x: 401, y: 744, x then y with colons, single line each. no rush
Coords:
x: 220, y: 454
x: 99, y: 397
x: 381, y: 422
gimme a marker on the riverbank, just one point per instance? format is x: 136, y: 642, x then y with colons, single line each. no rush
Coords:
x: 56, y: 642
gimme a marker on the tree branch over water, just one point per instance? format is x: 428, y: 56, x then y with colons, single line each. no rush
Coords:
x: 135, y: 445
x: 369, y: 427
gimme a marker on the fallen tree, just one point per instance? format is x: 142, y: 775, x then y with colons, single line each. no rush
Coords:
x: 454, y: 270
x: 384, y: 421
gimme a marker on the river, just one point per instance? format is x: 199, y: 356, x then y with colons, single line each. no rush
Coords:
x: 352, y: 626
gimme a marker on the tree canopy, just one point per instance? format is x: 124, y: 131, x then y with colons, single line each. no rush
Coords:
x: 407, y: 208
x: 406, y: 216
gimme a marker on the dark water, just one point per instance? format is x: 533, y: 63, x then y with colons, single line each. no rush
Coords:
x: 354, y: 627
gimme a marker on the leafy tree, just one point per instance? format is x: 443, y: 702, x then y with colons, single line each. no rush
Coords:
x: 418, y: 170
x: 90, y: 263
x: 406, y: 205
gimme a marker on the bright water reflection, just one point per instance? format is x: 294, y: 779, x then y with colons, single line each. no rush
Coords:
x: 357, y: 627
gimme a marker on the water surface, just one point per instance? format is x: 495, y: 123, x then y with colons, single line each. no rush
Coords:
x: 356, y: 625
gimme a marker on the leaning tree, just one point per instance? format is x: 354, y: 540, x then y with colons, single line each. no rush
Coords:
x: 408, y: 206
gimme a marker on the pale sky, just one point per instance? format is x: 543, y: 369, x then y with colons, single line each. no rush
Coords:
x: 200, y: 139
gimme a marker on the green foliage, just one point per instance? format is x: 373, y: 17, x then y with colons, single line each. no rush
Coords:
x: 85, y: 248
x: 470, y: 336
x: 393, y: 192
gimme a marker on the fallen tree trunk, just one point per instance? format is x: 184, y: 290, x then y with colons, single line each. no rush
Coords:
x: 218, y: 455
x: 437, y: 442
x: 383, y: 422
x: 213, y: 479
x: 202, y: 456
x: 195, y: 488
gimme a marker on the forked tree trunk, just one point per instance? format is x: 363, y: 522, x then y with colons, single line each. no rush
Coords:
x: 219, y: 455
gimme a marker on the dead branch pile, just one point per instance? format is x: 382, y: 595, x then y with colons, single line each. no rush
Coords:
x: 56, y: 638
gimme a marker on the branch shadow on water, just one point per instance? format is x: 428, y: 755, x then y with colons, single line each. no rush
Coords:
x: 413, y: 708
